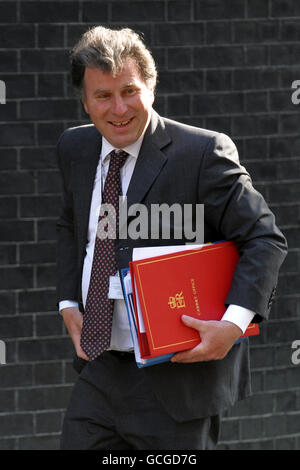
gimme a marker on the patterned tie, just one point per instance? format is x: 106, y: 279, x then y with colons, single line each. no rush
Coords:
x: 97, y: 319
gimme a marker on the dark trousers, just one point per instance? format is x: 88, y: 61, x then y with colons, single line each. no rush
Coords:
x: 112, y: 406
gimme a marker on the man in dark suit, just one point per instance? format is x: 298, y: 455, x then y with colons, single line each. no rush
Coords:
x: 174, y: 405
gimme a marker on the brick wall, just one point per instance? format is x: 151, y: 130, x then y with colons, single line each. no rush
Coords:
x: 223, y: 65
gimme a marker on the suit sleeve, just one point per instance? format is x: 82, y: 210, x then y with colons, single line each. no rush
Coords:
x: 236, y: 210
x: 67, y: 262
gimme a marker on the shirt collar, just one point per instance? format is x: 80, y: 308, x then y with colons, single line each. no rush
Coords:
x: 132, y: 149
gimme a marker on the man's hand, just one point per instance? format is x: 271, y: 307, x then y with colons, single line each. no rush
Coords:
x: 217, y: 338
x: 73, y: 320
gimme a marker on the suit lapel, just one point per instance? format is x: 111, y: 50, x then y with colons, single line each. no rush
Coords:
x: 150, y: 160
x: 84, y: 171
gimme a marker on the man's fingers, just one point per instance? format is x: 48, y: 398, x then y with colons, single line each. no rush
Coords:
x: 73, y: 319
x: 216, y: 338
x: 80, y: 353
x: 192, y: 355
x: 192, y: 322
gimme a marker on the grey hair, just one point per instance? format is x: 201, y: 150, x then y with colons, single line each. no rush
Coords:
x: 108, y: 49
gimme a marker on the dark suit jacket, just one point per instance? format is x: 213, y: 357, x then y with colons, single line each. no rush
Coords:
x: 184, y: 165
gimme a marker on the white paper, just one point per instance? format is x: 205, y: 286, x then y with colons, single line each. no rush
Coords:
x: 134, y: 336
x: 150, y: 251
x: 115, y: 289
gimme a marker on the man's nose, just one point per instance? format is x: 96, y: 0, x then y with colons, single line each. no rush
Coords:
x: 119, y: 106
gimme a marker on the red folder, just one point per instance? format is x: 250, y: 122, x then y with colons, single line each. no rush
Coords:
x: 193, y: 282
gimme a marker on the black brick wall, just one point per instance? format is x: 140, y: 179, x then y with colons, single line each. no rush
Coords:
x: 223, y: 65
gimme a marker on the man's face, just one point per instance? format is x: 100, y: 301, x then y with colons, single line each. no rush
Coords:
x: 120, y: 106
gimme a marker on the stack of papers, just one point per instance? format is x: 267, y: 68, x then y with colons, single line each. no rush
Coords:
x: 163, y: 283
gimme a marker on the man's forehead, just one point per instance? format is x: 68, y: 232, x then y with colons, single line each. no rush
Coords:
x: 128, y: 70
x: 123, y: 86
x: 98, y: 80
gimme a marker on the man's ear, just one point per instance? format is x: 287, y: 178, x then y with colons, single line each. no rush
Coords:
x: 84, y: 104
x: 83, y: 98
x: 152, y: 94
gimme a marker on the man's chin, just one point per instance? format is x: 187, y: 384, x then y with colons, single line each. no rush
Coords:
x: 121, y: 141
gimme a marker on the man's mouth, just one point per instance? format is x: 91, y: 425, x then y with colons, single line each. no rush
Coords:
x: 121, y: 123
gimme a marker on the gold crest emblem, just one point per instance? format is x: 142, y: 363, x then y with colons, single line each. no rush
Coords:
x: 177, y: 301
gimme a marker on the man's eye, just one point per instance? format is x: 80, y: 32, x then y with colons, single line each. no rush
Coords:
x: 102, y: 96
x: 130, y: 91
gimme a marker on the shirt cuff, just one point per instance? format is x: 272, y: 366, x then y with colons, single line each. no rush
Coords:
x: 67, y: 303
x: 238, y: 315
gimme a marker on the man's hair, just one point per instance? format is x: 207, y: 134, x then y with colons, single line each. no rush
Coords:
x: 107, y: 49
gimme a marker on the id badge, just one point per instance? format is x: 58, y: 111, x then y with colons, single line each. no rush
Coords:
x: 115, y: 289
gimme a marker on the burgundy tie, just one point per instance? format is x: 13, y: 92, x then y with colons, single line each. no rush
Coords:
x: 97, y: 319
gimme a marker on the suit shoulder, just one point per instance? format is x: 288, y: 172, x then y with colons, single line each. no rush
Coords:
x: 76, y: 142
x: 195, y: 142
x: 196, y: 136
x: 176, y: 126
x: 77, y: 136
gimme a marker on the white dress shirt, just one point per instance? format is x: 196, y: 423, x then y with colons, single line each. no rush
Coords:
x: 120, y: 336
